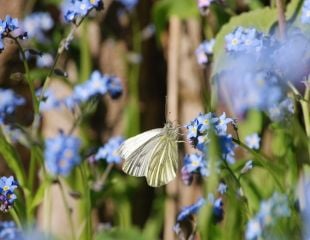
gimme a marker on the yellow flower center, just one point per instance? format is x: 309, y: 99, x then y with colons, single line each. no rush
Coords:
x: 234, y: 41
x: 6, y: 188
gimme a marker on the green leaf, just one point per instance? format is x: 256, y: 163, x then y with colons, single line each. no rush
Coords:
x: 12, y: 158
x: 39, y: 195
x: 261, y: 19
x: 292, y: 9
x: 252, y: 124
x: 163, y: 9
x: 120, y: 234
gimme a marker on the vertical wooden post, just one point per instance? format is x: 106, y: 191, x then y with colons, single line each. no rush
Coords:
x: 172, y: 115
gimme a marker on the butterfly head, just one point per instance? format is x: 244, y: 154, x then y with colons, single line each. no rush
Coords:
x: 171, y: 130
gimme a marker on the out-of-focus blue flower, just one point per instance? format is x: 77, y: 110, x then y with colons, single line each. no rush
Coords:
x: 218, y: 210
x: 222, y: 188
x: 190, y: 210
x: 204, y: 49
x: 252, y: 141
x: 46, y: 60
x: 37, y: 24
x: 73, y: 9
x: 9, y: 231
x: 244, y: 40
x: 61, y: 154
x: 98, y: 84
x: 227, y: 147
x: 270, y: 211
x: 282, y: 111
x: 205, y: 121
x: 2, y: 26
x: 8, y: 103
x: 7, y: 195
x: 251, y: 90
x: 305, y: 17
x: 109, y: 151
x: 114, y: 86
x: 129, y: 4
x: 49, y: 101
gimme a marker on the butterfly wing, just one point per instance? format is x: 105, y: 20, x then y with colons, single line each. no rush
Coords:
x: 136, y: 152
x: 163, y: 162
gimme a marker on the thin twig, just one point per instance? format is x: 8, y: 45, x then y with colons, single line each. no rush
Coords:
x: 281, y: 18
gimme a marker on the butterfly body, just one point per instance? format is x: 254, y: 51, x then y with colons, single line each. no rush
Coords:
x: 152, y: 154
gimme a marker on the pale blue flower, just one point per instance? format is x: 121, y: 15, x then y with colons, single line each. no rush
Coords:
x: 253, y: 141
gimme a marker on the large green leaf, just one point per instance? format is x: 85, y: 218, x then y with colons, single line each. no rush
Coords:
x: 261, y: 19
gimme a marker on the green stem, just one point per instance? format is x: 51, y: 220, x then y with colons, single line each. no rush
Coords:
x: 27, y: 75
x: 67, y: 209
x: 15, y: 217
x: 306, y: 114
x: 87, y: 210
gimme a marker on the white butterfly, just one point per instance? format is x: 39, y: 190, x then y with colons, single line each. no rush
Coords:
x: 152, y: 154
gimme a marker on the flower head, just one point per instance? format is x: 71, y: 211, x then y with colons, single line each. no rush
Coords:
x: 7, y: 195
x: 109, y: 151
x: 192, y: 209
x: 61, y: 154
x: 9, y: 231
x: 204, y: 50
x: 252, y: 141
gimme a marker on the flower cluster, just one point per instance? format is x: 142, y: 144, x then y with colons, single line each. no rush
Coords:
x: 9, y: 231
x: 37, y: 24
x: 7, y: 196
x: 73, y: 9
x: 61, y: 154
x: 8, y: 103
x: 10, y: 27
x: 203, y: 51
x: 305, y: 17
x: 244, y: 40
x: 98, y: 84
x: 109, y: 151
x: 270, y: 210
x: 199, y: 131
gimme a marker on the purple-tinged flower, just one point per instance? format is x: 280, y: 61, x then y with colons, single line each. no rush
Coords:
x: 186, y: 176
x: 8, y: 103
x: 61, y: 154
x: 305, y: 17
x: 252, y: 141
x: 203, y: 51
x: 7, y: 195
x: 108, y: 152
